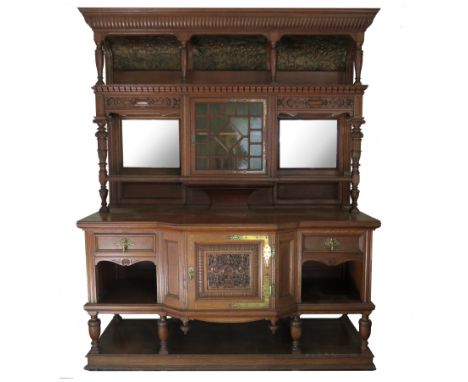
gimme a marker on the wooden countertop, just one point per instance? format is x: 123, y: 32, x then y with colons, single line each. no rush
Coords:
x: 266, y: 218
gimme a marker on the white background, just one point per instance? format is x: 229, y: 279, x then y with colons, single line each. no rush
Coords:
x: 414, y: 179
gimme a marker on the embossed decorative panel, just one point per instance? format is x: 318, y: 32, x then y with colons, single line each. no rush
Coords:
x: 145, y: 52
x: 315, y: 53
x: 229, y: 135
x: 227, y: 270
x: 229, y: 53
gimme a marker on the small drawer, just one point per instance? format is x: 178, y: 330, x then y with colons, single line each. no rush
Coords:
x: 332, y: 243
x: 133, y: 244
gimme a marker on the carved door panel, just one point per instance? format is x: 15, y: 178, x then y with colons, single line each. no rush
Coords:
x: 285, y: 269
x: 230, y: 271
x: 171, y: 277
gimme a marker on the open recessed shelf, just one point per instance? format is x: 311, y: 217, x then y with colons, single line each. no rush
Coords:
x: 220, y: 58
x: 330, y: 284
x: 119, y: 284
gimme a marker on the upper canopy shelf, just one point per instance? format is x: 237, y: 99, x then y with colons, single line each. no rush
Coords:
x: 157, y: 46
x: 194, y: 20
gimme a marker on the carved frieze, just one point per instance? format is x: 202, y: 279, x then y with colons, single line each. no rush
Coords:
x: 121, y: 90
x: 142, y: 102
x: 285, y: 103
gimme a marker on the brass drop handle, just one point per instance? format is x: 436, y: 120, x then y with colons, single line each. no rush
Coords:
x: 124, y: 243
x: 191, y: 273
x: 331, y: 244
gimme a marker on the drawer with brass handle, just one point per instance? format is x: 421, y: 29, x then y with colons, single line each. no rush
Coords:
x: 134, y: 244
x: 332, y: 243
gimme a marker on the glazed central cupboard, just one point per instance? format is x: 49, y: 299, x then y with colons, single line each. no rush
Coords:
x: 229, y: 148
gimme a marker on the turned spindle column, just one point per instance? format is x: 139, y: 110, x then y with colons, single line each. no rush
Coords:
x: 356, y: 137
x: 365, y: 325
x: 101, y: 136
x: 358, y: 54
x: 273, y: 57
x: 94, y: 328
x: 185, y: 326
x: 273, y: 325
x: 183, y: 56
x: 99, y: 56
x: 296, y: 332
x: 163, y: 334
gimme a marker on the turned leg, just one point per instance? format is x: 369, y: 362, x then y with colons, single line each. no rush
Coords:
x: 364, y: 330
x: 94, y: 327
x: 296, y: 332
x: 163, y: 334
x: 273, y: 326
x: 185, y: 326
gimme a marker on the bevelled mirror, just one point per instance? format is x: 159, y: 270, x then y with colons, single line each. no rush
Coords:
x: 150, y: 143
x: 308, y: 143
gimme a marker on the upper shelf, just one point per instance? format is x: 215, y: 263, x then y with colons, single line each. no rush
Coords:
x: 243, y: 20
x: 258, y: 46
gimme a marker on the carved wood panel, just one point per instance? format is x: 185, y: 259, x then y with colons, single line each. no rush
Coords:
x: 168, y: 104
x: 227, y: 270
x: 287, y: 103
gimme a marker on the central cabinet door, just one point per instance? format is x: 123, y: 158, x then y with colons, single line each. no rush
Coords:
x: 230, y: 271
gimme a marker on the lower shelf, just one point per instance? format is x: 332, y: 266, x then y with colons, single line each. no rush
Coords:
x: 326, y: 344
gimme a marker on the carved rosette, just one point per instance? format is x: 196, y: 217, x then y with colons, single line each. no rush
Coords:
x: 287, y: 103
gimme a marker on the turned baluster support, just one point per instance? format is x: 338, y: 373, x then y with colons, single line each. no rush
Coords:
x: 183, y: 38
x: 273, y: 325
x: 296, y: 332
x: 356, y: 137
x: 358, y: 58
x: 365, y: 325
x: 99, y: 56
x: 101, y: 136
x: 273, y: 55
x: 185, y: 326
x: 94, y: 328
x: 163, y: 334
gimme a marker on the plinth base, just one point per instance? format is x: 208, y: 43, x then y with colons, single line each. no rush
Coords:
x: 326, y: 344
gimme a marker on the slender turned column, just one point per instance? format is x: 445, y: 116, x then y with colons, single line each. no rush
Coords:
x: 183, y: 59
x: 94, y: 328
x: 185, y: 326
x: 273, y: 58
x: 365, y: 325
x: 356, y: 137
x: 99, y: 56
x: 296, y: 332
x: 101, y: 136
x: 273, y: 325
x: 358, y: 58
x: 163, y: 334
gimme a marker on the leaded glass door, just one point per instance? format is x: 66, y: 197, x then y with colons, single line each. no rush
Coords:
x: 228, y: 136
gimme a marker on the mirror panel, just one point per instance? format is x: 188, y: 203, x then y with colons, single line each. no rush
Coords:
x: 308, y: 143
x: 150, y: 143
